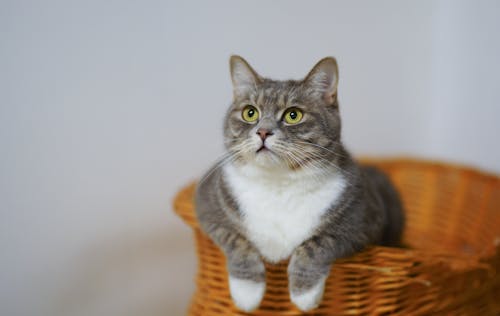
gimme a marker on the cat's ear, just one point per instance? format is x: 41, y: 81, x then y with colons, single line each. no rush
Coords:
x: 323, y: 79
x: 244, y: 78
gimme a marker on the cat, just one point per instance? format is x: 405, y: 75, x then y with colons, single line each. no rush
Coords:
x: 288, y: 189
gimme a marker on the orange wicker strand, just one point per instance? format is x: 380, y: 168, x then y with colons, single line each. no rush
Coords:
x: 451, y: 265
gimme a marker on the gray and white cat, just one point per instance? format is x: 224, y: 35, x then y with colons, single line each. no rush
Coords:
x: 288, y: 189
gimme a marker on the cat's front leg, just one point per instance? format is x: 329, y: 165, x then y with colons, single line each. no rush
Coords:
x: 247, y: 282
x: 310, y: 265
x: 244, y: 264
x: 307, y: 273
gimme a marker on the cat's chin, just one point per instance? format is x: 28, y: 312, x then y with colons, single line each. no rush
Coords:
x: 267, y: 159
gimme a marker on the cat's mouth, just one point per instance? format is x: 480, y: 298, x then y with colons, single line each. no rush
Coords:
x: 262, y: 148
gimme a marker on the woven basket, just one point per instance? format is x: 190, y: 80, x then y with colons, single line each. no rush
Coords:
x: 451, y: 265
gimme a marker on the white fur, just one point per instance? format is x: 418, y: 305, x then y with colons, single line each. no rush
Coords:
x: 309, y: 299
x: 281, y: 208
x: 246, y: 294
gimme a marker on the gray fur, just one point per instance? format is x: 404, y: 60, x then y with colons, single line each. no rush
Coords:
x: 368, y: 212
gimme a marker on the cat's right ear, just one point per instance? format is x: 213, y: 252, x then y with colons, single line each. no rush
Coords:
x: 244, y: 78
x: 324, y: 78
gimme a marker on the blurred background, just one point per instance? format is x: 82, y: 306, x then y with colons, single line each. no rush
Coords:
x: 108, y: 108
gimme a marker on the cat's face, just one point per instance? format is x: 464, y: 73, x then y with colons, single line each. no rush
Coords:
x: 287, y: 124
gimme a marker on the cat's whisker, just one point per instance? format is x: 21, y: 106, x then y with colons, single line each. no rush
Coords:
x: 220, y: 163
x: 319, y: 162
x: 323, y: 159
x: 322, y: 163
x: 314, y: 171
x: 228, y: 157
x: 321, y: 147
x: 295, y: 160
x: 318, y: 170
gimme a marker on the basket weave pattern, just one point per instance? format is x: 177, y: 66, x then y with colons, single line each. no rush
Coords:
x: 451, y: 265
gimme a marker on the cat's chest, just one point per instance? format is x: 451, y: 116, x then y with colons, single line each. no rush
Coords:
x: 278, y: 216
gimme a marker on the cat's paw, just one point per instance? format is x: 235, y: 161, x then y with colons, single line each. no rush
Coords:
x: 246, y: 294
x: 308, y: 299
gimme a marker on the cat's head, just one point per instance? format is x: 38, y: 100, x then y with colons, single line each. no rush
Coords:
x: 293, y: 124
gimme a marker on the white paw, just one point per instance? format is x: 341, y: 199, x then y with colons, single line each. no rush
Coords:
x: 246, y: 294
x: 309, y: 299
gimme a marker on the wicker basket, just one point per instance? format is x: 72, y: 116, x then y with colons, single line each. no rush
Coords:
x: 451, y: 265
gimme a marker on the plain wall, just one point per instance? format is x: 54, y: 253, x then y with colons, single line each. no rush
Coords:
x: 108, y: 108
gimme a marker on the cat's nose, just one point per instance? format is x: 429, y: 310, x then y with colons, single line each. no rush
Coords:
x: 264, y: 133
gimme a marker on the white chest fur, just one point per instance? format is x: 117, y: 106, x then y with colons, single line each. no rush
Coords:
x: 281, y: 211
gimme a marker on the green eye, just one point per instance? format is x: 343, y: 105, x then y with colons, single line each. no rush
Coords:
x: 293, y: 116
x: 250, y: 113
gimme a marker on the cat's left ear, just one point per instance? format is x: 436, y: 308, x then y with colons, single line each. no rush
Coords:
x: 324, y: 78
x: 244, y: 78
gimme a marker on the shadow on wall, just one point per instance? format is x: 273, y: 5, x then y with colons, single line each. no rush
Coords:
x: 139, y: 275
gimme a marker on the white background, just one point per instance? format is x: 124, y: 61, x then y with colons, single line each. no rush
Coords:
x: 107, y: 108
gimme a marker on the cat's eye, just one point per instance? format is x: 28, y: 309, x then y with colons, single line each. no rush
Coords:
x: 293, y: 116
x: 250, y: 113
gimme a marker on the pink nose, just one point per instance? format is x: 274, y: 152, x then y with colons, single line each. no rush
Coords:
x: 264, y: 133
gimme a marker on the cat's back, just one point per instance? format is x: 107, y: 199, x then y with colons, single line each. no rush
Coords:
x: 390, y: 203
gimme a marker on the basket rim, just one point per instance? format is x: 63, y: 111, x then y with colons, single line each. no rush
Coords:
x: 430, y: 162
